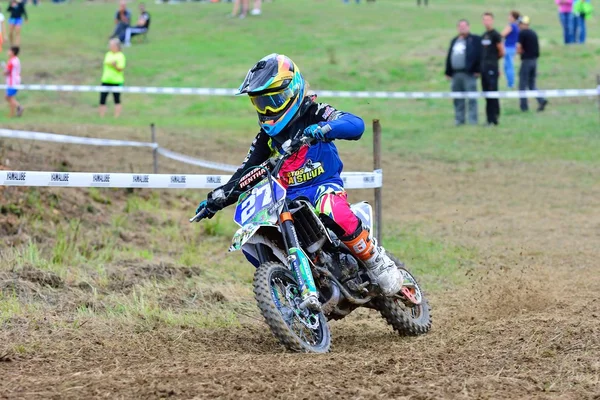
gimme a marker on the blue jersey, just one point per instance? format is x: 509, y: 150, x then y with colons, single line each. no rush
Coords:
x: 310, y: 167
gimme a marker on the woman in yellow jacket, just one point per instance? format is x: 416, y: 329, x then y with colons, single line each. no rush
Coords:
x: 113, y: 74
x: 582, y: 9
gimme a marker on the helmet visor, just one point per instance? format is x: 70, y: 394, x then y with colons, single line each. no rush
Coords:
x: 272, y: 104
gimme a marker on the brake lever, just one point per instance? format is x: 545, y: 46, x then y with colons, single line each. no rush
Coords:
x: 290, y: 146
x: 197, y: 217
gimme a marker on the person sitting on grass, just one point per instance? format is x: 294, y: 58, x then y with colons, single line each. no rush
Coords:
x: 122, y: 18
x: 12, y: 72
x: 143, y: 24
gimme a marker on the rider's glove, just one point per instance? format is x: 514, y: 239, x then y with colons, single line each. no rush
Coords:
x: 205, y: 209
x: 318, y: 132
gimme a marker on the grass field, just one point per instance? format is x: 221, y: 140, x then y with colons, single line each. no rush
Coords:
x: 112, y: 293
x: 366, y: 47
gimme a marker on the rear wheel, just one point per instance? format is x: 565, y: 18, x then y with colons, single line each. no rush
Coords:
x: 401, y: 312
x: 278, y: 297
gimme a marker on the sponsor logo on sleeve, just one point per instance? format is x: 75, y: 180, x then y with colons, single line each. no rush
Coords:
x: 328, y: 111
x: 335, y: 115
x: 251, y: 177
x: 321, y: 106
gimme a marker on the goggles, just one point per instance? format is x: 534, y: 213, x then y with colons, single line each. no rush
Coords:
x: 272, y: 104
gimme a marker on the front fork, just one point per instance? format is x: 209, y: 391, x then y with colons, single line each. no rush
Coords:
x: 298, y: 261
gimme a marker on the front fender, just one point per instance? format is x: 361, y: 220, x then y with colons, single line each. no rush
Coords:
x: 262, y: 237
x: 245, y: 233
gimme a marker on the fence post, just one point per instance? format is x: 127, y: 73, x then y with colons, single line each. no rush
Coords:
x: 598, y: 89
x: 155, y: 150
x: 376, y: 166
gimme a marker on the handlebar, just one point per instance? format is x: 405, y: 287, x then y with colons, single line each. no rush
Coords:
x: 198, y: 217
x: 289, y: 147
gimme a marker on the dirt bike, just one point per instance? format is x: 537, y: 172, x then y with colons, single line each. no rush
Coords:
x: 294, y: 254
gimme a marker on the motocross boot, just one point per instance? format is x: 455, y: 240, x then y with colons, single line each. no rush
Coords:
x: 380, y: 268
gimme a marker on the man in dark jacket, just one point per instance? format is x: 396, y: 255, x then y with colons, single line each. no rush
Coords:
x: 529, y: 49
x: 463, y: 67
x: 491, y: 51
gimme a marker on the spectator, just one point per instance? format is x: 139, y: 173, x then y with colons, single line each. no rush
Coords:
x: 463, y: 66
x: 257, y: 7
x: 2, y: 30
x: 419, y: 3
x: 12, y: 72
x: 245, y: 5
x: 122, y: 18
x: 113, y: 75
x: 582, y: 10
x: 18, y: 14
x: 565, y: 14
x: 491, y: 51
x: 142, y: 26
x: 529, y: 49
x: 511, y: 36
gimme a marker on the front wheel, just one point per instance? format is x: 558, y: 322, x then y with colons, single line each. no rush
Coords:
x: 278, y: 297
x: 406, y: 318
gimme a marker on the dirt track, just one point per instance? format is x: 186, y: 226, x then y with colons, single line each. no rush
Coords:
x: 530, y: 327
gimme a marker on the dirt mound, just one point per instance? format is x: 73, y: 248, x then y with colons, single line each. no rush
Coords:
x: 124, y: 275
x: 42, y: 278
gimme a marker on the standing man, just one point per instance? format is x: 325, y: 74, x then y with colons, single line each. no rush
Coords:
x: 419, y: 3
x: 491, y: 51
x: 565, y: 14
x: 529, y: 49
x: 463, y: 67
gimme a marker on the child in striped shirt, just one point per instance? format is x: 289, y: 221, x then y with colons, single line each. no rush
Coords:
x: 12, y: 72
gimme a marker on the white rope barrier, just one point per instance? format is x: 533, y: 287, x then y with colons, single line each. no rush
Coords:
x: 352, y: 180
x: 325, y: 93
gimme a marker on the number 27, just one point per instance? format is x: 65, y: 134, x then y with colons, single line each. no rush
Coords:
x: 248, y: 206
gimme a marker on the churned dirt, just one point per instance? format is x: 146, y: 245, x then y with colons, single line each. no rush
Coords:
x: 525, y: 325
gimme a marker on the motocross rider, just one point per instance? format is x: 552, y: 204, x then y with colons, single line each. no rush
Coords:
x: 285, y: 110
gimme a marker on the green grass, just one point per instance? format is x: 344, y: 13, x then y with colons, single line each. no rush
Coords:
x: 438, y: 264
x: 387, y: 45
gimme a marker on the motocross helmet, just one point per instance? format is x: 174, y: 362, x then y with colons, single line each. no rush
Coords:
x: 277, y: 91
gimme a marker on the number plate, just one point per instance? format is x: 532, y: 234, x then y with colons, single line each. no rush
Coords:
x: 255, y: 204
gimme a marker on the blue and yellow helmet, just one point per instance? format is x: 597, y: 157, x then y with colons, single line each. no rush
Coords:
x: 277, y: 89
